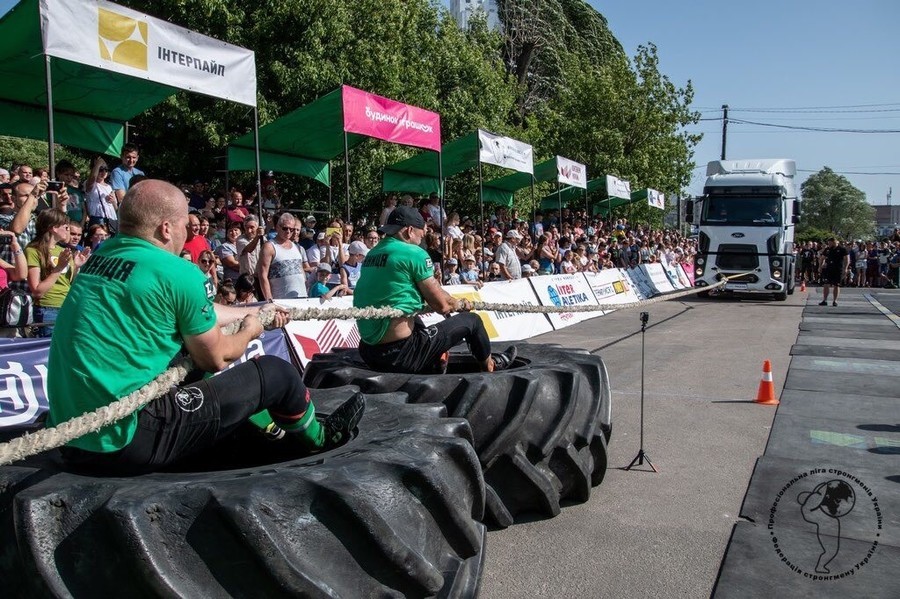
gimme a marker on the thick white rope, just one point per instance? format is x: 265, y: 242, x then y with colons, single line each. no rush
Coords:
x: 53, y: 437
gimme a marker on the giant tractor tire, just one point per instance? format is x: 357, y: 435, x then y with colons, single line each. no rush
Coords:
x: 394, y: 512
x: 540, y: 427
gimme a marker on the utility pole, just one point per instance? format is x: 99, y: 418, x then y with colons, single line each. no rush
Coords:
x: 724, y: 128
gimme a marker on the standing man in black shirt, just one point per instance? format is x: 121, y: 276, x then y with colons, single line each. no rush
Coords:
x: 836, y: 265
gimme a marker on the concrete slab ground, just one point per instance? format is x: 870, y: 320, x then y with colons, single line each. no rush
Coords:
x: 659, y: 535
x: 822, y: 511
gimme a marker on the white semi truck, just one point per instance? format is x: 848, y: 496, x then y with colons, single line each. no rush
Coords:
x: 746, y: 220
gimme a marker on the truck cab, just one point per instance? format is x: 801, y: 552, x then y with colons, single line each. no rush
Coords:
x: 746, y: 219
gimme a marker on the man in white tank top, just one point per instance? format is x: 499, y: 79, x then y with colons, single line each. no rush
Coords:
x: 283, y: 264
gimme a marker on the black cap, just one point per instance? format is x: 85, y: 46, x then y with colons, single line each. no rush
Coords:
x: 402, y: 216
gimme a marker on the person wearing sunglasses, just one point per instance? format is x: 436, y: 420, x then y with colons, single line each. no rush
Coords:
x: 102, y: 205
x: 207, y: 264
x: 283, y: 265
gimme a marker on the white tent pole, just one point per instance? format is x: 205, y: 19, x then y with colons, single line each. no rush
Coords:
x: 259, y: 198
x: 50, y: 137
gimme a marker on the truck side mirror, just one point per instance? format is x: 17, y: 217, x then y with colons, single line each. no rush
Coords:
x: 689, y: 211
x: 795, y: 218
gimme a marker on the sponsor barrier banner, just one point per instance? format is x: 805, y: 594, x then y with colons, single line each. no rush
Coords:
x: 617, y: 188
x: 688, y: 270
x: 506, y: 152
x: 571, y: 172
x: 383, y: 118
x: 565, y: 290
x: 23, y: 375
x: 610, y: 287
x: 640, y: 283
x: 656, y: 275
x: 505, y: 326
x: 115, y: 38
x: 656, y: 199
x: 310, y: 337
x: 677, y: 277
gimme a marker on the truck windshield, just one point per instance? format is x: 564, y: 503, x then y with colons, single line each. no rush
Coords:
x: 742, y: 210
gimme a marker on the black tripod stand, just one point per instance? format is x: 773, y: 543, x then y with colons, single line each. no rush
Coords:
x: 642, y: 456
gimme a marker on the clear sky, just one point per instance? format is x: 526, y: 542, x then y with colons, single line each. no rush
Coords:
x: 787, y: 54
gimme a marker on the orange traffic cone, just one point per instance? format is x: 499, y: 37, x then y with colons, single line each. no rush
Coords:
x: 766, y: 393
x: 803, y: 286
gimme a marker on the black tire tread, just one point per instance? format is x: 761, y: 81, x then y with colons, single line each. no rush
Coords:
x: 395, y: 512
x: 540, y: 429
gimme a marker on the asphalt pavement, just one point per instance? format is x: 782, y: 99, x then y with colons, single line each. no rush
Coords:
x: 645, y: 534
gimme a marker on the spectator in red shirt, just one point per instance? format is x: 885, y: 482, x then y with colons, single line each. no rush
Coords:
x: 236, y: 211
x: 196, y: 243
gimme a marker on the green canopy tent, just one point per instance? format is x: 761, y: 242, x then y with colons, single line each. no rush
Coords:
x: 65, y: 86
x: 304, y: 141
x: 500, y: 191
x: 425, y: 173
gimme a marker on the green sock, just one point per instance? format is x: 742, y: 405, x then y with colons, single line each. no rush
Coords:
x: 308, y: 427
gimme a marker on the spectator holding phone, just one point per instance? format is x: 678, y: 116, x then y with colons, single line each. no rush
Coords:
x: 52, y: 266
x: 102, y: 204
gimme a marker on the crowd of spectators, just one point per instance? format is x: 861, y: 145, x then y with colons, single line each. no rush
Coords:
x: 47, y: 231
x: 872, y: 263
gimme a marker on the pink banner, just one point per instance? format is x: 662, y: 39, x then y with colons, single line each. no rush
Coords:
x: 382, y: 118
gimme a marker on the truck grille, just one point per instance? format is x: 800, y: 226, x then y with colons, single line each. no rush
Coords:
x: 737, y: 257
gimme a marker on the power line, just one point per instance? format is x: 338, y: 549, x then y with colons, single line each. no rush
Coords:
x: 803, y: 170
x: 718, y: 108
x: 819, y: 129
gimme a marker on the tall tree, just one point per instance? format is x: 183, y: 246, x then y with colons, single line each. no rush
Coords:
x: 832, y: 203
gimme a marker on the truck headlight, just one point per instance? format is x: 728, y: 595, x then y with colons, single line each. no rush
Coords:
x: 776, y: 274
x: 698, y: 272
x: 701, y: 261
x: 776, y: 262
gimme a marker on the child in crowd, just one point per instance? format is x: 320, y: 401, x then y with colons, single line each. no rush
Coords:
x: 470, y: 274
x: 451, y: 277
x: 320, y: 288
x: 245, y: 287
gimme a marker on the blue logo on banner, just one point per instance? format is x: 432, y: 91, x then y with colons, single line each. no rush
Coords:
x: 554, y: 296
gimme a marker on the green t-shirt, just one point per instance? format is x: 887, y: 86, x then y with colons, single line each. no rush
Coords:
x: 122, y: 325
x: 390, y: 276
x: 56, y: 295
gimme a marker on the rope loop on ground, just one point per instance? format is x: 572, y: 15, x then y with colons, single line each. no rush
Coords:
x: 46, y: 439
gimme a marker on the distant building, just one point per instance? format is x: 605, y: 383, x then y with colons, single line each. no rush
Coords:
x: 887, y: 218
x: 463, y: 10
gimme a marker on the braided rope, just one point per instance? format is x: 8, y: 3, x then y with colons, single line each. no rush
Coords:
x: 53, y: 437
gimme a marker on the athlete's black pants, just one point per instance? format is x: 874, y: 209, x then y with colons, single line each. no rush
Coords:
x: 421, y: 352
x: 193, y: 417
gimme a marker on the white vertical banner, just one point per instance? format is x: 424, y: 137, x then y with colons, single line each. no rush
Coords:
x: 506, y: 152
x: 114, y: 38
x: 571, y: 172
x: 656, y: 199
x: 618, y: 188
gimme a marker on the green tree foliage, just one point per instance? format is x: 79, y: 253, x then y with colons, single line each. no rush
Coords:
x: 831, y: 203
x: 556, y: 77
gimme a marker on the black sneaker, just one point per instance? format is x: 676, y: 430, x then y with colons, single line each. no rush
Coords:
x: 504, y: 360
x: 339, y: 424
x: 834, y: 303
x: 825, y: 303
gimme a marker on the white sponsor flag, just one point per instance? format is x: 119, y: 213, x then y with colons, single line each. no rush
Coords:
x: 505, y: 152
x: 656, y: 199
x: 617, y: 188
x: 115, y: 38
x: 571, y: 172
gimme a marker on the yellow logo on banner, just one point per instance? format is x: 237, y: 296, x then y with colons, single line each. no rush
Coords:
x: 619, y: 287
x: 474, y: 296
x: 122, y: 39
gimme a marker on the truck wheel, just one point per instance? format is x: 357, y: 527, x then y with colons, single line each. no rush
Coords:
x: 393, y: 512
x: 540, y: 427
